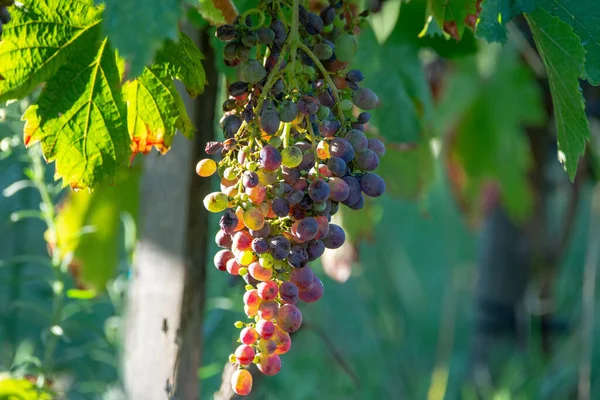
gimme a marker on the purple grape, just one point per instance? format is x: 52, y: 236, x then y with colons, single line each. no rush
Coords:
x: 315, y: 249
x: 326, y: 98
x: 367, y: 161
x: 228, y: 221
x: 308, y: 104
x: 297, y: 213
x: 335, y: 238
x: 296, y: 197
x: 335, y: 207
x: 260, y: 245
x: 225, y: 32
x: 341, y: 148
x: 297, y: 257
x: 249, y: 178
x: 365, y: 99
x: 313, y: 293
x: 270, y: 158
x: 280, y: 33
x: 377, y: 147
x: 372, y: 184
x: 280, y: 247
x: 352, y: 85
x: 306, y: 204
x: 339, y: 189
x: 269, y: 121
x: 229, y: 105
x: 288, y: 293
x: 303, y: 146
x: 319, y: 190
x: 290, y: 175
x: 278, y: 87
x: 315, y: 24
x: 248, y: 113
x: 302, y: 277
x: 307, y: 229
x: 223, y: 239
x: 328, y: 15
x: 280, y: 206
x: 308, y: 161
x: 363, y: 117
x: 355, y: 76
x: 230, y: 124
x: 354, y: 186
x: 262, y: 232
x: 238, y: 88
x: 337, y: 166
x: 358, y: 140
x: 289, y: 318
x: 265, y: 35
x: 359, y: 204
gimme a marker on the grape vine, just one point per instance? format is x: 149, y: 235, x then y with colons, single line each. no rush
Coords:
x: 4, y: 13
x: 293, y: 151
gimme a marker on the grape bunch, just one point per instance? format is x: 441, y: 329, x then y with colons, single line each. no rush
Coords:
x: 294, y: 152
x: 4, y: 14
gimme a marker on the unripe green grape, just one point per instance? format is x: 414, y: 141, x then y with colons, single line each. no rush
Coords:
x: 232, y: 359
x: 238, y: 324
x: 248, y: 287
x: 346, y: 104
x: 242, y: 52
x: 323, y: 112
x: 310, y: 71
x: 243, y: 271
x: 291, y: 156
x: 230, y: 51
x: 266, y: 260
x: 216, y: 202
x: 323, y: 51
x: 252, y: 166
x: 253, y: 71
x: 275, y: 141
x: 346, y: 46
x: 230, y: 173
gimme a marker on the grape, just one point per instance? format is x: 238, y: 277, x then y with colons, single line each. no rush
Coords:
x: 268, y: 290
x: 244, y: 354
x: 363, y: 118
x: 308, y: 104
x: 358, y: 140
x: 278, y: 87
x: 289, y: 318
x: 225, y: 32
x: 265, y: 35
x: 280, y: 206
x: 288, y: 292
x: 251, y: 298
x: 223, y: 239
x: 282, y: 340
x: 296, y: 197
x: 323, y: 226
x: 268, y: 310
x: 269, y: 364
x: 231, y: 124
x: 265, y: 328
x: 260, y: 245
x: 346, y: 47
x: 267, y: 260
x: 365, y: 99
x: 221, y: 258
x: 241, y: 382
x: 339, y: 189
x: 359, y: 204
x: 266, y: 177
x: 238, y: 88
x: 259, y: 273
x: 291, y: 156
x: 266, y: 346
x: 323, y: 51
x: 341, y: 148
x: 367, y: 160
x: 326, y: 99
x: 302, y: 277
x: 289, y: 111
x: 372, y: 184
x: 355, y: 188
x: 328, y: 15
x: 319, y: 190
x: 336, y: 237
x: 355, y: 76
x: 253, y: 71
x: 337, y: 166
x: 269, y: 121
x: 250, y: 39
x: 206, y: 167
x: 313, y: 293
x: 250, y: 179
x: 280, y: 247
x: 270, y: 158
x: 315, y: 249
x: 242, y: 241
x: 377, y: 147
x: 262, y: 232
x: 308, y: 160
x: 216, y: 202
x: 257, y: 194
x: 242, y: 52
x: 249, y: 335
x: 297, y: 257
x: 233, y: 267
x: 314, y: 25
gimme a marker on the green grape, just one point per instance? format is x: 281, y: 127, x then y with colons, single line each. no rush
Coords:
x: 346, y: 46
x: 266, y: 260
x: 346, y: 104
x: 216, y: 202
x: 291, y: 156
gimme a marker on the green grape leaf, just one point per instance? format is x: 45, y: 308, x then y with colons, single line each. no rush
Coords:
x: 211, y: 13
x: 384, y: 21
x: 407, y: 172
x: 492, y: 20
x: 563, y: 56
x: 404, y: 95
x: 41, y: 37
x: 451, y: 14
x: 79, y: 118
x: 583, y: 16
x: 88, y: 226
x: 155, y: 110
x: 486, y: 110
x: 138, y: 28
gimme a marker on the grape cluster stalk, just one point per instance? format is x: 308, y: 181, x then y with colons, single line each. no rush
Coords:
x: 294, y: 152
x: 4, y: 13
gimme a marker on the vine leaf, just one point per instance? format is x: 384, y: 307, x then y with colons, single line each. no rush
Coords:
x: 155, y: 110
x: 486, y: 112
x: 138, y: 28
x: 451, y: 14
x: 88, y: 226
x: 563, y: 56
x: 79, y: 118
x: 42, y: 36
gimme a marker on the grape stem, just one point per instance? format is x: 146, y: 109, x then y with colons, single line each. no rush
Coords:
x: 271, y: 81
x: 327, y: 78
